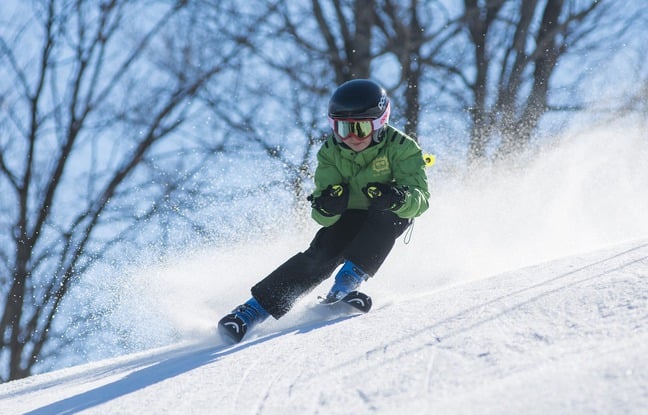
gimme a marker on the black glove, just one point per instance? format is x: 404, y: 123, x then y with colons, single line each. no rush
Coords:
x: 385, y: 196
x: 333, y: 200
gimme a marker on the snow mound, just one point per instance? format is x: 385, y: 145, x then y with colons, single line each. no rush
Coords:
x: 566, y: 336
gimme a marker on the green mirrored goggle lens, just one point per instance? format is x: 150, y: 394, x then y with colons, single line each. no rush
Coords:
x: 361, y: 129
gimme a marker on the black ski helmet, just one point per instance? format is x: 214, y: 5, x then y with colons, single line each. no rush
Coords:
x: 360, y: 99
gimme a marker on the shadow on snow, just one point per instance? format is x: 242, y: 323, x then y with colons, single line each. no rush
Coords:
x: 166, y: 369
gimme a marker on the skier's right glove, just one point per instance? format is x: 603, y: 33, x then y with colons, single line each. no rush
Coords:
x: 333, y: 200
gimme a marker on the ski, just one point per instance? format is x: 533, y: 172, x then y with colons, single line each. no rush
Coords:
x: 356, y: 299
x: 232, y: 329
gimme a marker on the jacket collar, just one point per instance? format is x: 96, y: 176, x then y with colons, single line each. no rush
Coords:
x: 363, y: 157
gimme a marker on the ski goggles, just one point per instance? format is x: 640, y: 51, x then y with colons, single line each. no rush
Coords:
x: 347, y: 128
x: 362, y: 129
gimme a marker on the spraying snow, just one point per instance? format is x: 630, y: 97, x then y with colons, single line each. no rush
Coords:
x: 587, y: 192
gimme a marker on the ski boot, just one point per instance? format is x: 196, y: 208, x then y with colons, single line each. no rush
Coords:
x: 347, y: 280
x: 233, y: 326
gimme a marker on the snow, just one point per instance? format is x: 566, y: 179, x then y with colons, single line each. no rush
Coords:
x: 566, y: 336
x: 521, y: 293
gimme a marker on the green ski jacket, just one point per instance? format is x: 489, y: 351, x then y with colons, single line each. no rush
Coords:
x: 397, y: 159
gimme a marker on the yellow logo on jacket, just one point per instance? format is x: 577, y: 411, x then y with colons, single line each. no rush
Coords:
x: 380, y: 164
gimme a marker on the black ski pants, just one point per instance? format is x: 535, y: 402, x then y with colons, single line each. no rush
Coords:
x: 363, y: 236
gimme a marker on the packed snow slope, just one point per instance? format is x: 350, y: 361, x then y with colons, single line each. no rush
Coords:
x: 566, y: 336
x: 521, y: 291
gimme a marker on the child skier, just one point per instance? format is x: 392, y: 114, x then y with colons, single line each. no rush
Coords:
x: 370, y: 182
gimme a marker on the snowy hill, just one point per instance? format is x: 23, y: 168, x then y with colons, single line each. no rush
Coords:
x: 566, y: 336
x: 462, y: 324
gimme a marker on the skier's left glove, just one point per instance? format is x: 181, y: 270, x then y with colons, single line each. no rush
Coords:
x: 385, y: 196
x: 333, y: 200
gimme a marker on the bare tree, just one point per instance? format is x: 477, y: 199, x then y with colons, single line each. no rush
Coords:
x: 92, y: 94
x: 281, y: 110
x: 515, y: 48
x: 347, y: 33
x: 495, y: 65
x: 412, y: 32
x: 496, y: 60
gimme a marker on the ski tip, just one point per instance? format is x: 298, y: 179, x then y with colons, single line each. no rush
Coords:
x: 358, y: 300
x: 231, y: 330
